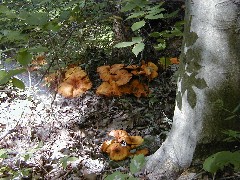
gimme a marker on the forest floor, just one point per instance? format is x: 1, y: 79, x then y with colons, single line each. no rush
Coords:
x: 41, y: 132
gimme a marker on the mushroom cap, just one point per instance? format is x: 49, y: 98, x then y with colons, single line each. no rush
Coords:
x: 76, y: 82
x: 106, y: 144
x: 117, y: 152
x: 134, y: 140
x: 104, y: 73
x: 119, y: 135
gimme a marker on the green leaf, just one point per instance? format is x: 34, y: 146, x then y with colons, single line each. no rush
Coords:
x: 155, y: 34
x: 230, y: 117
x: 174, y: 13
x: 223, y: 158
x: 179, y: 100
x: 38, y: 49
x: 136, y: 15
x: 138, y: 25
x: 37, y: 18
x: 117, y: 176
x: 155, y: 11
x: 14, y: 72
x: 136, y: 39
x: 71, y: 159
x: 24, y: 57
x: 155, y: 6
x: 153, y: 16
x: 191, y: 97
x: 124, y: 44
x: 4, y: 77
x: 236, y: 109
x: 160, y: 46
x: 13, y: 36
x: 64, y: 160
x: 192, y: 38
x: 138, y: 48
x: 200, y: 83
x: 137, y: 163
x: 3, y: 9
x: 52, y: 26
x: 129, y: 6
x: 3, y: 154
x: 18, y: 83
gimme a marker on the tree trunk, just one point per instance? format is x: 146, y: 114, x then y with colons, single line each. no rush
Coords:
x: 209, y: 74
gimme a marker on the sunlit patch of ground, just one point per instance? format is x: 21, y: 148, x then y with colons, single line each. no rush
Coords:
x: 41, y: 132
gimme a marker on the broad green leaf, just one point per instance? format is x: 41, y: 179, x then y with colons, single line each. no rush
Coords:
x: 191, y: 97
x: 24, y: 57
x: 13, y: 36
x: 4, y: 77
x: 154, y: 16
x: 155, y: 34
x: 124, y: 44
x: 200, y: 83
x: 72, y: 158
x: 156, y: 10
x: 3, y: 9
x: 160, y: 46
x: 66, y: 159
x: 18, y: 83
x: 14, y: 72
x: 138, y: 48
x: 155, y: 7
x: 64, y: 15
x: 129, y: 6
x: 52, y: 26
x: 38, y: 49
x: 3, y: 153
x: 137, y: 163
x: 192, y: 38
x: 136, y: 39
x: 138, y: 25
x: 37, y: 18
x: 223, y: 158
x: 136, y: 15
x: 179, y: 100
x: 174, y: 13
x: 117, y: 176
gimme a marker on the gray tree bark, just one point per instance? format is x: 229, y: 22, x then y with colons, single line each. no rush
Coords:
x: 209, y: 73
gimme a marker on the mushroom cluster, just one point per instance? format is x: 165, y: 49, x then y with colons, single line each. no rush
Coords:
x: 120, y: 148
x: 76, y: 82
x: 119, y: 79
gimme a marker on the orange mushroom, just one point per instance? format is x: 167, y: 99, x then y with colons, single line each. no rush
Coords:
x: 106, y: 144
x: 76, y: 82
x: 117, y: 152
x: 115, y: 148
x: 134, y: 141
x: 150, y: 69
x: 139, y: 89
x: 119, y: 135
x: 104, y: 73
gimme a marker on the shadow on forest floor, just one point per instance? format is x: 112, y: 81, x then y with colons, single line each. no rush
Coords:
x: 77, y: 127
